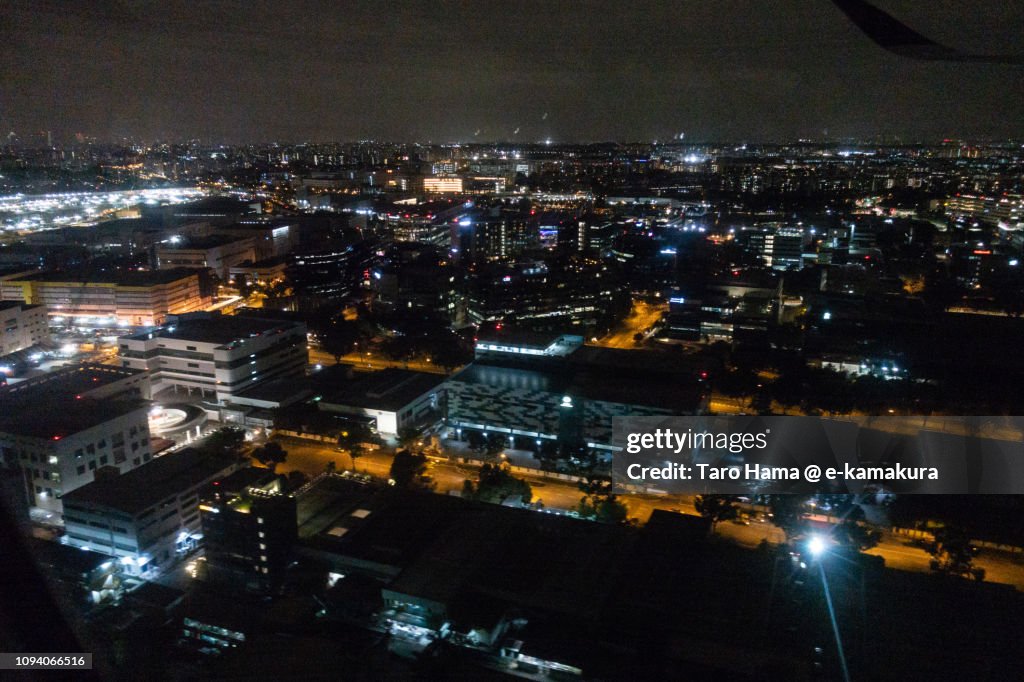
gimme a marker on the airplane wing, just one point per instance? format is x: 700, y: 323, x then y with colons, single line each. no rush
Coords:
x: 893, y: 35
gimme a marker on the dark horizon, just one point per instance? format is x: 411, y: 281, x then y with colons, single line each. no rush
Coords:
x: 877, y: 140
x: 530, y: 71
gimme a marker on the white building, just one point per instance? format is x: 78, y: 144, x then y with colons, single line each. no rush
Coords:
x: 147, y: 516
x: 217, y: 356
x: 22, y: 326
x: 60, y: 442
x: 393, y: 398
x: 218, y: 253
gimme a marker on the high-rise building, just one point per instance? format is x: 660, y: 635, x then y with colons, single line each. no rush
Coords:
x: 496, y: 236
x: 573, y: 292
x: 415, y: 277
x: 249, y: 528
x: 328, y: 275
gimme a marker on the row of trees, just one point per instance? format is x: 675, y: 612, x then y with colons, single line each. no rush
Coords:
x: 599, y: 503
x: 230, y: 440
x: 789, y: 512
x: 495, y: 483
x: 405, y: 339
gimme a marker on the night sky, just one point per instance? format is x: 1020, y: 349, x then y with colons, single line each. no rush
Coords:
x: 258, y: 70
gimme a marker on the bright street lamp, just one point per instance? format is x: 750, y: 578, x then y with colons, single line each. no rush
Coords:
x: 816, y: 546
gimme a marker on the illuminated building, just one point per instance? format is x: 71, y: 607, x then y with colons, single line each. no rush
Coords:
x: 249, y: 528
x: 534, y: 388
x: 500, y: 236
x: 972, y: 265
x: 218, y: 254
x: 130, y: 299
x: 425, y: 222
x: 564, y: 293
x: 415, y: 276
x: 22, y: 326
x: 217, y: 356
x: 261, y: 272
x: 779, y: 249
x: 442, y: 185
x: 393, y: 398
x: 1006, y: 210
x: 330, y: 275
x: 59, y: 430
x: 146, y: 516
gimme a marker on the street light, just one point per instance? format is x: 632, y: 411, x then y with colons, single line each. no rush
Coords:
x: 816, y: 547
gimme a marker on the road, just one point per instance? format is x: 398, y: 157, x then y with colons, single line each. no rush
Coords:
x: 639, y: 320
x: 373, y: 361
x: 311, y: 458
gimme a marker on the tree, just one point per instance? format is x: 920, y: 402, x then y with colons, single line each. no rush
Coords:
x: 496, y: 442
x: 599, y: 502
x: 603, y: 508
x: 486, y: 446
x: 548, y: 450
x: 408, y: 470
x: 296, y: 479
x: 270, y: 454
x: 225, y: 440
x: 408, y: 438
x: 446, y: 350
x: 495, y: 483
x: 853, y: 533
x: 953, y: 554
x: 340, y: 338
x: 354, y: 433
x: 716, y: 508
x: 398, y: 348
x: 594, y: 485
x: 355, y: 452
x: 787, y: 513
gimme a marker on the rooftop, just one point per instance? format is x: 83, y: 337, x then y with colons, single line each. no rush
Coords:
x: 214, y: 206
x: 509, y: 336
x: 445, y: 549
x: 619, y: 376
x: 63, y: 383
x: 65, y: 558
x: 282, y: 391
x: 126, y: 278
x: 271, y: 262
x: 137, y: 490
x: 388, y: 389
x: 203, y: 243
x: 54, y: 419
x: 156, y: 595
x: 218, y: 329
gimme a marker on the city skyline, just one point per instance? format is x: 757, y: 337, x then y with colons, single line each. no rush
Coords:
x: 522, y: 73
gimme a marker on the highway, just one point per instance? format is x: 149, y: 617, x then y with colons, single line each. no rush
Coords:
x: 311, y: 458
